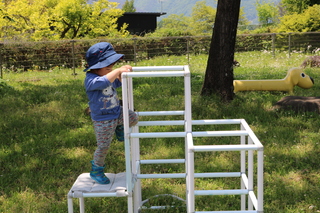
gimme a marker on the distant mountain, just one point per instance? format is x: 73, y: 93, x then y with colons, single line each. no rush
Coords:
x: 185, y: 7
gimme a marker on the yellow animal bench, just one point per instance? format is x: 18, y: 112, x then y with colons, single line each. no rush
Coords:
x: 295, y: 77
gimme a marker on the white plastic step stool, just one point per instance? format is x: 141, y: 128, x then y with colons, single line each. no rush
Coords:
x: 85, y: 186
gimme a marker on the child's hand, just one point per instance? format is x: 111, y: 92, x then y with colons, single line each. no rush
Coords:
x: 116, y: 73
x: 125, y: 68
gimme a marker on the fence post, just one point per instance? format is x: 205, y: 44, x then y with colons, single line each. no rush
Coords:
x: 273, y: 44
x: 135, y: 51
x: 289, y: 44
x: 188, y: 53
x: 1, y: 73
x: 73, y: 59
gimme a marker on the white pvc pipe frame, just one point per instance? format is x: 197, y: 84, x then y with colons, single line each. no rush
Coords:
x: 133, y: 154
x: 248, y: 144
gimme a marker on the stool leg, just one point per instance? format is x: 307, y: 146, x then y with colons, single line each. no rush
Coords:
x: 81, y: 203
x: 130, y: 204
x: 70, y: 205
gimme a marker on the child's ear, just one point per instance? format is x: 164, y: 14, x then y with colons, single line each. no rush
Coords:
x: 94, y: 71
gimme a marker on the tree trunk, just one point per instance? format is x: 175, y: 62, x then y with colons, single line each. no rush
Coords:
x: 219, y: 72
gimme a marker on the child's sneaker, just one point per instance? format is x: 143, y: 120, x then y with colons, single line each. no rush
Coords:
x: 120, y: 133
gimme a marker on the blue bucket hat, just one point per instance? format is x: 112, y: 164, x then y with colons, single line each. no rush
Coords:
x: 101, y: 55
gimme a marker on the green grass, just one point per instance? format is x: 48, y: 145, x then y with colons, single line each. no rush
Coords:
x: 47, y: 140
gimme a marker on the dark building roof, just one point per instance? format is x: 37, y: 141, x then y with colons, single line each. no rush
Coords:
x: 140, y: 23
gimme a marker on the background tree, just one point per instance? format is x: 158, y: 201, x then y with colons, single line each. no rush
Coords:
x: 200, y: 22
x: 3, y: 13
x: 21, y: 12
x: 5, y: 21
x: 243, y: 20
x: 75, y: 18
x: 69, y: 18
x: 297, y: 6
x: 268, y: 13
x: 173, y: 25
x: 103, y: 20
x: 308, y: 21
x: 219, y: 72
x: 128, y: 6
x: 202, y: 18
x: 59, y: 19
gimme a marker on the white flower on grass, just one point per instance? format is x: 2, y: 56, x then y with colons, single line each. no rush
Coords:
x: 311, y: 207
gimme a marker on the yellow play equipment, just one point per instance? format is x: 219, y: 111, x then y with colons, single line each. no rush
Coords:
x: 295, y: 76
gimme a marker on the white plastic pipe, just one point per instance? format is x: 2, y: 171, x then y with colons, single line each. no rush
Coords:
x: 153, y: 74
x: 158, y: 68
x: 221, y: 192
x: 207, y: 148
x: 162, y: 161
x: 160, y: 113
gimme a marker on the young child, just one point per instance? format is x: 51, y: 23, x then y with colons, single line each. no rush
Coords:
x: 106, y: 113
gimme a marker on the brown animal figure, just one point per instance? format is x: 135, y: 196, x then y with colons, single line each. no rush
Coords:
x: 312, y: 61
x: 299, y: 104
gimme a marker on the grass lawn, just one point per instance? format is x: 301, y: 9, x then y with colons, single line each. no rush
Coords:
x: 47, y: 140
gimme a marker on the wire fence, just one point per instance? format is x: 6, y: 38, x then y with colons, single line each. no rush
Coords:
x: 24, y: 56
